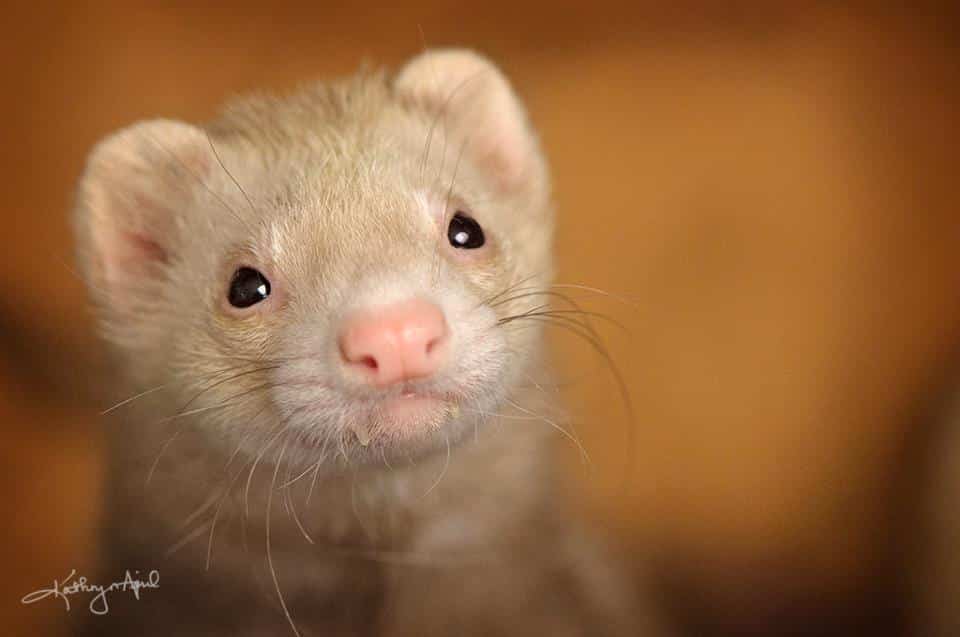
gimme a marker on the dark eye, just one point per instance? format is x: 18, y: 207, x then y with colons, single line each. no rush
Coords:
x: 248, y: 287
x: 464, y: 232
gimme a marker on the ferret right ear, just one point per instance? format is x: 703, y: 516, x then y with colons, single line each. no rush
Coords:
x: 474, y: 102
x: 136, y: 183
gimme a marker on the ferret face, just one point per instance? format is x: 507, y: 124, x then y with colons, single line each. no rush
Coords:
x: 330, y: 275
x: 370, y: 310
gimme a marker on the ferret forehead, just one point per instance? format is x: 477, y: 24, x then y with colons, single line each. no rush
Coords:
x: 316, y: 175
x: 318, y: 168
x: 328, y: 213
x: 312, y: 113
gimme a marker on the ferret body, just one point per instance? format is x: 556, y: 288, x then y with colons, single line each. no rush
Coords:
x: 327, y: 311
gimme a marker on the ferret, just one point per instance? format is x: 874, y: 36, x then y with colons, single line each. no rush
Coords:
x: 327, y: 313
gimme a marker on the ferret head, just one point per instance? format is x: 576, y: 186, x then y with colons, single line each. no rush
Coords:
x: 331, y: 271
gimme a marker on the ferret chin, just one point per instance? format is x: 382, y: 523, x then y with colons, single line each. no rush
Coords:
x: 326, y: 312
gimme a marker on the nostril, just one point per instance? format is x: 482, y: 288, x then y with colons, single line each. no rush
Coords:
x: 433, y: 344
x: 356, y: 352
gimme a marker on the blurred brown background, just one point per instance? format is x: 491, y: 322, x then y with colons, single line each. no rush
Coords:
x: 773, y: 188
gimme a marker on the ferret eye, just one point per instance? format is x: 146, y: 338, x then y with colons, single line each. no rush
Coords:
x: 464, y: 232
x: 248, y: 287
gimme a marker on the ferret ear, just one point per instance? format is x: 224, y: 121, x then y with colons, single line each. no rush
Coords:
x: 136, y: 183
x: 475, y: 102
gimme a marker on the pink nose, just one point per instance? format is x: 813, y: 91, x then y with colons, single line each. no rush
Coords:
x: 396, y: 343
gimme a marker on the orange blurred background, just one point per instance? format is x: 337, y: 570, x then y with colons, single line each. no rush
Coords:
x: 771, y: 188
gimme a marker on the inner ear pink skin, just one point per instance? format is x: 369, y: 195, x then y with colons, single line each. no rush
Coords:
x: 142, y: 248
x: 385, y: 346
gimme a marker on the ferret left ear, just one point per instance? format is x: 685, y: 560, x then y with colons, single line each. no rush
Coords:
x: 474, y: 101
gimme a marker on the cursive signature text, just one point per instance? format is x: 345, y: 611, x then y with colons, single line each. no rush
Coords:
x: 63, y: 589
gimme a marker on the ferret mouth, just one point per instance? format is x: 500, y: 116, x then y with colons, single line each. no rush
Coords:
x: 395, y: 419
x: 410, y: 407
x: 402, y: 416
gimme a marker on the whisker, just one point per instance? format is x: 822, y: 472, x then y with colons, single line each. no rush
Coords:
x: 565, y: 322
x: 198, y: 179
x: 356, y: 510
x: 313, y: 482
x: 253, y: 469
x: 447, y: 216
x: 582, y: 288
x: 217, y: 498
x: 296, y: 518
x: 129, y: 400
x: 147, y: 392
x: 441, y: 114
x: 290, y: 505
x: 510, y: 288
x: 216, y: 516
x: 236, y: 183
x: 189, y: 537
x: 209, y: 502
x: 560, y: 313
x: 270, y: 564
x: 443, y: 472
x: 532, y: 310
x: 176, y: 434
x: 300, y: 475
x: 488, y: 414
x: 587, y: 288
x: 527, y: 293
x: 584, y: 456
x: 588, y: 333
x: 383, y: 456
x: 244, y: 438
